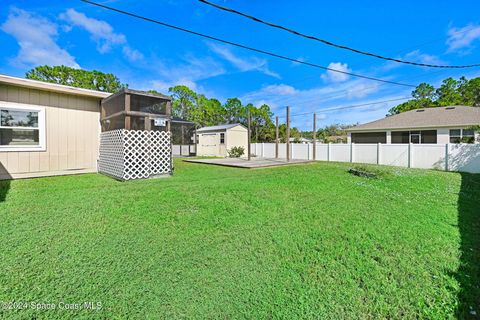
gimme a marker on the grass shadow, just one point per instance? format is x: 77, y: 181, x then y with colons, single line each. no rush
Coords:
x: 5, y: 178
x: 468, y: 274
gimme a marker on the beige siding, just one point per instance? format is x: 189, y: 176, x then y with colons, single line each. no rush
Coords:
x: 209, y: 142
x: 237, y: 137
x: 72, y: 134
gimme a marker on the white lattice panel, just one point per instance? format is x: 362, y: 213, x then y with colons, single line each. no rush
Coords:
x: 111, y: 159
x: 134, y: 154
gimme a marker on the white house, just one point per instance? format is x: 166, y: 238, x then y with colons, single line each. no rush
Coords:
x: 438, y: 125
x: 216, y: 140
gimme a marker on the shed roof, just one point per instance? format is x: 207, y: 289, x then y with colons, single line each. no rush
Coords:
x: 221, y: 127
x: 450, y: 116
x: 52, y: 87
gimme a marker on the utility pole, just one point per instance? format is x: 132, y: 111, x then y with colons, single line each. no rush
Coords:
x: 314, y: 136
x: 276, y: 137
x: 249, y: 132
x: 288, y: 134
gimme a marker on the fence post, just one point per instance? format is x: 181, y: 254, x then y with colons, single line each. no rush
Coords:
x: 410, y: 155
x: 276, y: 137
x: 308, y: 151
x: 351, y: 152
x: 447, y: 149
x: 314, y: 146
x: 288, y: 134
x: 328, y: 151
x: 379, y: 145
x: 263, y: 150
x: 249, y: 151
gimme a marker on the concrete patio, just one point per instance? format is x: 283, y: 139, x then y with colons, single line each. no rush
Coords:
x: 252, y: 164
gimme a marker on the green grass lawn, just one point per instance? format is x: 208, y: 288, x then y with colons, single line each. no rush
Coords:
x: 307, y: 241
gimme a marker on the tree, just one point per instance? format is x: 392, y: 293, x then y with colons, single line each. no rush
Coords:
x: 451, y: 92
x: 234, y: 111
x: 332, y: 132
x: 94, y: 80
x: 448, y: 93
x: 470, y: 91
x: 203, y: 111
x: 184, y: 100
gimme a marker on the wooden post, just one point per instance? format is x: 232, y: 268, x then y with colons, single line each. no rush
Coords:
x: 168, y: 111
x: 102, y: 116
x: 288, y: 134
x: 148, y: 124
x: 128, y: 119
x: 314, y: 136
x: 248, y: 138
x: 276, y: 137
x: 183, y: 133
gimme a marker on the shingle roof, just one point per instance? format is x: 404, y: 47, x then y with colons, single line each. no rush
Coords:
x: 451, y: 116
x: 220, y: 127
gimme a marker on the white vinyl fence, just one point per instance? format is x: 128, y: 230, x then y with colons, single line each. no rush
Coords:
x: 183, y: 150
x: 449, y: 157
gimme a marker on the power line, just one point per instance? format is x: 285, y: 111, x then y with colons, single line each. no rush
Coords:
x: 244, y: 46
x: 347, y: 107
x: 334, y: 44
x: 349, y: 90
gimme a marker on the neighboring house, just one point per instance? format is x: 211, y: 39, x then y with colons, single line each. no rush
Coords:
x: 47, y: 129
x: 216, y: 140
x: 301, y: 140
x: 439, y: 125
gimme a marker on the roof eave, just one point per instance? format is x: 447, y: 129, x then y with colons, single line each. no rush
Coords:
x: 410, y: 127
x: 51, y: 87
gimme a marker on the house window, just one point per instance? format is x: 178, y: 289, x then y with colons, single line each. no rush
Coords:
x: 401, y: 137
x: 22, y: 127
x: 462, y: 136
x: 424, y: 136
x: 468, y: 136
x: 369, y: 137
x: 429, y: 136
x: 415, y: 137
x: 222, y: 138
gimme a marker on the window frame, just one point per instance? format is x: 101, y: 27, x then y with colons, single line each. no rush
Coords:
x: 460, y: 136
x: 222, y: 133
x: 42, y: 146
x: 417, y: 134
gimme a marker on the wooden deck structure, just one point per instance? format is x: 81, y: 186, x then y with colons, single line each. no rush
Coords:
x: 253, y: 163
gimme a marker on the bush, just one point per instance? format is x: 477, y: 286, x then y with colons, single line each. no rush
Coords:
x: 236, y: 152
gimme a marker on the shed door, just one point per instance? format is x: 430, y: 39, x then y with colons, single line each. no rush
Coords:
x: 210, y: 144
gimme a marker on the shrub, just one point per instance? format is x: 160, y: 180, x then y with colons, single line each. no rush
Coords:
x: 236, y: 152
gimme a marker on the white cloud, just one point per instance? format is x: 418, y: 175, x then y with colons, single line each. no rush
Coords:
x: 188, y: 73
x: 352, y: 92
x: 243, y: 64
x: 132, y: 54
x: 332, y: 76
x: 462, y: 38
x: 101, y: 32
x: 418, y: 56
x: 36, y: 37
x: 280, y: 89
x: 288, y: 95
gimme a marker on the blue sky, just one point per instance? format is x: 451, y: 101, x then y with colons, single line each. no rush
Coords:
x: 148, y: 56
